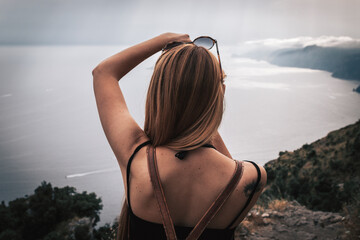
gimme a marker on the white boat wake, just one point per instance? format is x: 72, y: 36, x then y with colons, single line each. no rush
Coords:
x: 91, y: 172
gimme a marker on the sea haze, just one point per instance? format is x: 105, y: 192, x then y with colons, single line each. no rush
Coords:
x: 50, y: 130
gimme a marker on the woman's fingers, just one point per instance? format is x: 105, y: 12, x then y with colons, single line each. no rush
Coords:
x: 184, y: 38
x: 177, y: 37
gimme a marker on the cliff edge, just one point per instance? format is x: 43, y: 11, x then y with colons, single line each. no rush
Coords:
x: 312, y: 192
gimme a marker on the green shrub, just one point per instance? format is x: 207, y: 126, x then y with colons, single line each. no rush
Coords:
x: 82, y: 233
x: 38, y: 215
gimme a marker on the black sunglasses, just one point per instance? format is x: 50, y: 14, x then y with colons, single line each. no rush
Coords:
x: 202, y: 41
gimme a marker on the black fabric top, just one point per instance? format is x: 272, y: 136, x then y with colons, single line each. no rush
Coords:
x: 144, y: 230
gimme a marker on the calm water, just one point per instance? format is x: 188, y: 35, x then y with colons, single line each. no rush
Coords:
x: 49, y: 127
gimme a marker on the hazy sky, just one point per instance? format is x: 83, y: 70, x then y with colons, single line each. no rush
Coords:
x: 124, y: 22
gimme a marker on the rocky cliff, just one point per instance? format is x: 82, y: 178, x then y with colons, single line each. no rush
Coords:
x: 312, y: 192
x: 289, y: 220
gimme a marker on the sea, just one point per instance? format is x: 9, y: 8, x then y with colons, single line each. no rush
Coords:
x: 50, y: 129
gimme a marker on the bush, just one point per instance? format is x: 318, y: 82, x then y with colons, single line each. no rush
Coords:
x: 37, y: 216
x: 9, y: 234
x: 106, y: 232
x: 306, y: 146
x: 282, y: 153
x: 54, y: 236
x: 82, y: 233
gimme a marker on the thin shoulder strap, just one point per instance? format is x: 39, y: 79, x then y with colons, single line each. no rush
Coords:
x: 217, y: 204
x: 251, y: 195
x: 159, y: 194
x: 128, y: 170
x: 210, y: 213
x: 207, y: 145
x: 181, y: 155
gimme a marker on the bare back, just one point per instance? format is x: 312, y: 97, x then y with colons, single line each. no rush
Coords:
x: 190, y: 186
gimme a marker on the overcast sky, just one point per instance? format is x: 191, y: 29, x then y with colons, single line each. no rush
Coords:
x: 126, y: 22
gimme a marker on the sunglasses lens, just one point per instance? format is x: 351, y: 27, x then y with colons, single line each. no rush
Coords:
x: 204, y: 42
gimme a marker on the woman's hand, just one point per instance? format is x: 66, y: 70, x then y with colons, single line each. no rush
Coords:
x: 121, y: 63
x: 176, y: 37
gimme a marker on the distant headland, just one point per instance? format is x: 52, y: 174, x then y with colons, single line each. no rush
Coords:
x: 343, y: 63
x: 341, y: 60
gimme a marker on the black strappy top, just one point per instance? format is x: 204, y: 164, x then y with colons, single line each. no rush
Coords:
x: 143, y: 230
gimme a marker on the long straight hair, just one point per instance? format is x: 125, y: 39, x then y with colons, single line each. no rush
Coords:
x: 184, y: 104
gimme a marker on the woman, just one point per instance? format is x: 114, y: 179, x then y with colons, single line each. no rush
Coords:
x: 177, y: 172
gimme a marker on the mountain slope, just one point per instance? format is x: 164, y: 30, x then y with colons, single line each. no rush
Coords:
x: 343, y: 63
x: 323, y: 175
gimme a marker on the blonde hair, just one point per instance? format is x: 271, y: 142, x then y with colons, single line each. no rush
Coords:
x: 184, y: 104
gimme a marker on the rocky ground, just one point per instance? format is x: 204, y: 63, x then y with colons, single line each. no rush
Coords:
x: 290, y: 220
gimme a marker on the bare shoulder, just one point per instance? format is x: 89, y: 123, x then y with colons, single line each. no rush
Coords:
x: 255, y: 177
x: 249, y: 189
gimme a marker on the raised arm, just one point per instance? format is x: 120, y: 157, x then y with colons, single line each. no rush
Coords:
x: 121, y: 130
